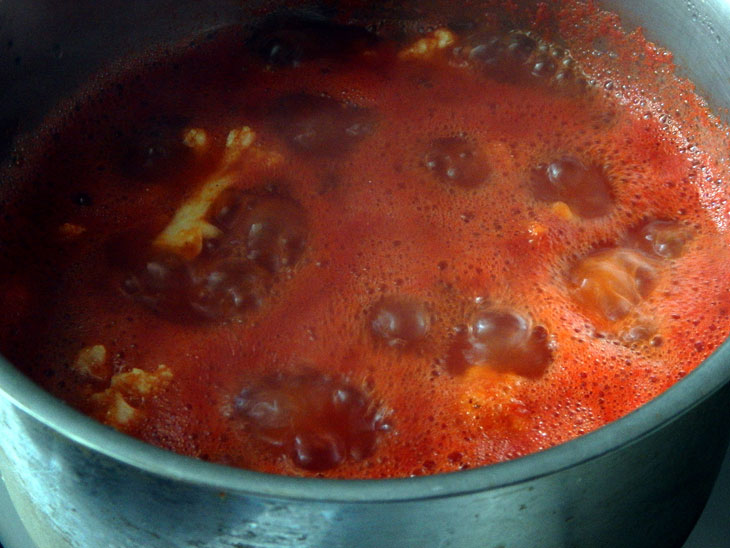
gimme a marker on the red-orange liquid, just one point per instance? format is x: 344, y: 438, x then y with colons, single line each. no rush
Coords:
x: 455, y: 259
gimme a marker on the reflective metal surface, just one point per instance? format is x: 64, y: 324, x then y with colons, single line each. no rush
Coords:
x: 711, y: 531
x: 639, y: 482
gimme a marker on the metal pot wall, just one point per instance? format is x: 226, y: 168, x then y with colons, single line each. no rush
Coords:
x: 641, y: 481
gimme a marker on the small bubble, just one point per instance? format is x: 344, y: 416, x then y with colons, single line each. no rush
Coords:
x: 563, y: 76
x: 543, y: 67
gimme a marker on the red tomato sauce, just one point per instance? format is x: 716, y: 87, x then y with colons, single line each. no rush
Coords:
x: 389, y: 252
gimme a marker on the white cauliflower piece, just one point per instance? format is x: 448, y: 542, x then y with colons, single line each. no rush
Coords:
x: 196, y: 139
x: 115, y: 406
x: 428, y: 45
x: 189, y: 227
x: 140, y: 382
x: 91, y: 361
x: 238, y: 140
x: 119, y: 413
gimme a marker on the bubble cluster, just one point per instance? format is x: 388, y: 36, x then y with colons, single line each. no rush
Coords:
x: 270, y: 231
x: 208, y: 290
x: 522, y: 58
x: 261, y: 236
x: 315, y: 420
x: 457, y: 161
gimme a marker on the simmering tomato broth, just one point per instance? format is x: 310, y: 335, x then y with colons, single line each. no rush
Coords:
x: 324, y: 247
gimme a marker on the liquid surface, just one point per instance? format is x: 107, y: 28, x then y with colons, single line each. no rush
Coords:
x: 392, y: 252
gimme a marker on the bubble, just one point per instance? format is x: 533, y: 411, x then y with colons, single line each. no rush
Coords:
x: 611, y: 282
x: 503, y: 339
x: 543, y: 67
x: 400, y: 320
x: 584, y: 188
x: 521, y: 46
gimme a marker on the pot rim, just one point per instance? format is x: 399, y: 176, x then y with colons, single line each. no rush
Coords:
x: 701, y: 383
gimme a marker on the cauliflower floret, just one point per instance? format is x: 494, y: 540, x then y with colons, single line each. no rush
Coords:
x: 237, y: 141
x: 427, y: 46
x: 141, y: 383
x: 119, y: 412
x: 196, y: 139
x: 188, y: 229
x: 91, y: 362
x: 115, y: 406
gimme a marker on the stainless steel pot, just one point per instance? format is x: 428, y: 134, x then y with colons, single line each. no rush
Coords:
x: 641, y: 481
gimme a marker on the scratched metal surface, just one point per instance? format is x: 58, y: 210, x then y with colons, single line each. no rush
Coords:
x: 712, y: 530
